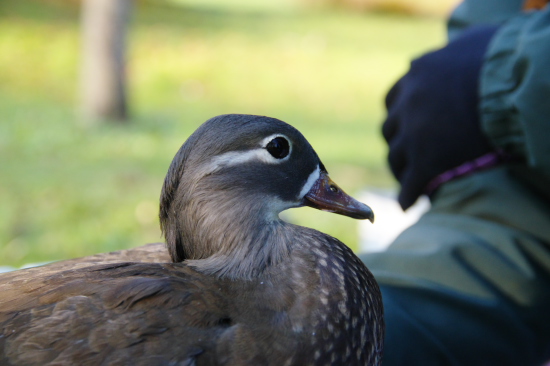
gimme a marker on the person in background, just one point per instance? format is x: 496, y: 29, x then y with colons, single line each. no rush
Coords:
x: 469, y: 125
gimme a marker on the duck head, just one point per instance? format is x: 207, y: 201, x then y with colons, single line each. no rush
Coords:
x: 225, y: 188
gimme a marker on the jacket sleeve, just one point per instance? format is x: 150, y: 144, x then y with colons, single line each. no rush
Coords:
x: 476, y: 12
x: 515, y: 89
x: 468, y: 283
x: 515, y: 78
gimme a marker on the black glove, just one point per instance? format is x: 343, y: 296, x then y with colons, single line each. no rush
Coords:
x: 433, y: 124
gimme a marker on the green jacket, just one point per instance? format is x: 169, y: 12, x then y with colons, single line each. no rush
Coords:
x: 515, y: 78
x: 469, y: 283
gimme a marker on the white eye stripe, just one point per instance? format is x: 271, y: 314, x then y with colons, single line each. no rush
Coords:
x: 239, y: 157
x: 310, y: 182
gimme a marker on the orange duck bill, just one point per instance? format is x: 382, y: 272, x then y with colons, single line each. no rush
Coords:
x: 325, y: 195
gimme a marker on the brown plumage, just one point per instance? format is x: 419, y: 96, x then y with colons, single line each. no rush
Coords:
x: 247, y: 288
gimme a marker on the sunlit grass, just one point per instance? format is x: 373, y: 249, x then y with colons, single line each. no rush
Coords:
x: 67, y: 190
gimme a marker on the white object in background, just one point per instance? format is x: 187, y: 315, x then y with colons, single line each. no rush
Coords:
x: 4, y: 269
x: 390, y: 220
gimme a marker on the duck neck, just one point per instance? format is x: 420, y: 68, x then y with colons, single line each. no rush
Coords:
x: 236, y: 239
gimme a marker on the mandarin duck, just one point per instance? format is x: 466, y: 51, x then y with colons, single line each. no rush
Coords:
x: 236, y: 286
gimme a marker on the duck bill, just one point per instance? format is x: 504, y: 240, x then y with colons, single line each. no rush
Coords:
x: 325, y: 195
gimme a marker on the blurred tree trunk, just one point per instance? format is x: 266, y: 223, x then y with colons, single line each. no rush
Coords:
x: 103, y: 77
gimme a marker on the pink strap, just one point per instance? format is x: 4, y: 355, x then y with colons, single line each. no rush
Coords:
x: 483, y: 162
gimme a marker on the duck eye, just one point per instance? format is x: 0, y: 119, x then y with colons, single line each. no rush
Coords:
x: 278, y: 147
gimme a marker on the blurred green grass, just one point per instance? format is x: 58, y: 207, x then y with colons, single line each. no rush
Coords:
x: 68, y: 190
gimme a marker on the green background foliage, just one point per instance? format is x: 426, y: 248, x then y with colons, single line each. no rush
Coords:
x: 68, y: 189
